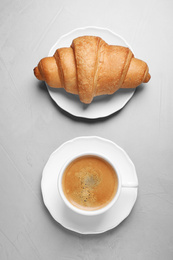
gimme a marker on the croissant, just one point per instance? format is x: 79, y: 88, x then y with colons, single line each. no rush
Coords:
x: 90, y: 67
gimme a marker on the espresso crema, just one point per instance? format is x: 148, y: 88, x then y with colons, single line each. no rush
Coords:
x: 89, y: 182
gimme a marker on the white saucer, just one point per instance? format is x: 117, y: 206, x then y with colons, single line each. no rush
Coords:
x: 84, y: 224
x: 101, y: 106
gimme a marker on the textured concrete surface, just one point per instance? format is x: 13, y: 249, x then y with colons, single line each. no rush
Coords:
x: 32, y: 127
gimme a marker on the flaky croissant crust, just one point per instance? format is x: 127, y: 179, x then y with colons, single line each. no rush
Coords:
x: 91, y: 67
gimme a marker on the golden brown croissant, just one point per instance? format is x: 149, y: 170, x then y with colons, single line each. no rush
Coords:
x: 91, y: 67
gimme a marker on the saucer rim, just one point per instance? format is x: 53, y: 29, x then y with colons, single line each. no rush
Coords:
x: 134, y: 189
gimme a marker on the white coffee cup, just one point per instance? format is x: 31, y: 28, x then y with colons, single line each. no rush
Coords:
x: 81, y: 211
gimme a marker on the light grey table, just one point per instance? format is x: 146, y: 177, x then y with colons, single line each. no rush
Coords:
x: 33, y: 126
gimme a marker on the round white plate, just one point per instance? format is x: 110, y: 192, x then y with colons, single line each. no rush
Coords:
x: 84, y: 224
x: 101, y: 106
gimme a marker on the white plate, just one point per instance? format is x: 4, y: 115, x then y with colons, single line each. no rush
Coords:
x: 101, y: 106
x: 70, y: 219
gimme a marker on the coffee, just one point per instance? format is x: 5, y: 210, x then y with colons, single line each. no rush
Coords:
x: 89, y: 182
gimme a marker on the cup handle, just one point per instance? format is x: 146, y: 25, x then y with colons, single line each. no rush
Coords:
x: 130, y: 184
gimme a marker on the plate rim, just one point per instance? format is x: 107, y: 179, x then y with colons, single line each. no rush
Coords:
x: 79, y: 114
x: 86, y: 28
